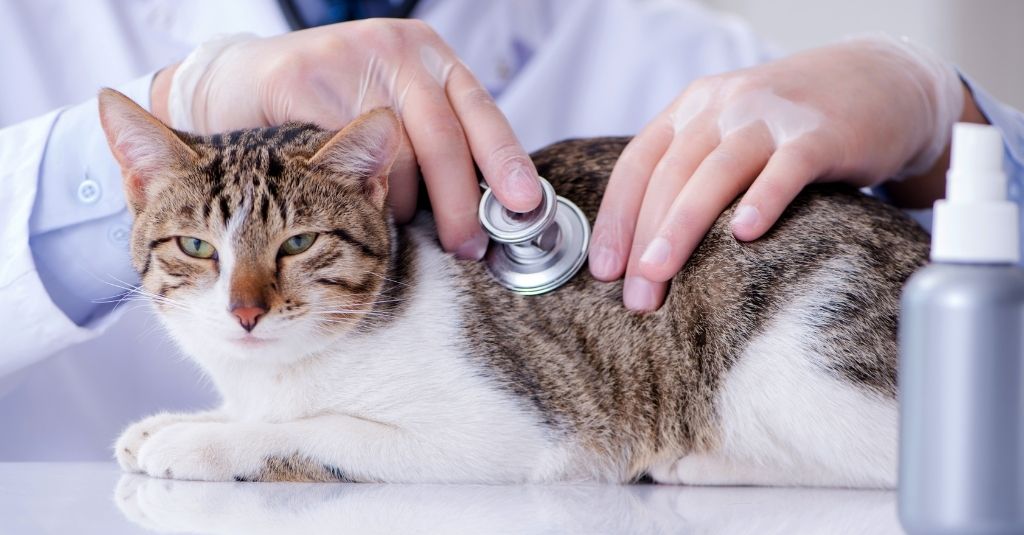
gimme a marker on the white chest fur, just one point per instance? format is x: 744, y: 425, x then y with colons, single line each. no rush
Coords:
x: 412, y: 374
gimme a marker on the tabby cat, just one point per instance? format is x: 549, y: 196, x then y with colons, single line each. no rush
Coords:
x: 346, y: 348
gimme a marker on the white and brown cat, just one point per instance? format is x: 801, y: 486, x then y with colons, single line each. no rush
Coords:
x: 346, y: 348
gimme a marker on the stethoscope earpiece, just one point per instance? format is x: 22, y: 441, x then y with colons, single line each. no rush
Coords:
x: 537, y: 251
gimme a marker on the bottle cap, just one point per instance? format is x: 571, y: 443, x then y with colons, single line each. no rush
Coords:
x: 976, y: 223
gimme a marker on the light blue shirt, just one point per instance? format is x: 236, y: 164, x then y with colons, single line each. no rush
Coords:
x: 80, y: 227
x: 1010, y: 123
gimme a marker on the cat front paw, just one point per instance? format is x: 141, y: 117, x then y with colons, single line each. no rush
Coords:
x: 128, y: 445
x: 197, y: 451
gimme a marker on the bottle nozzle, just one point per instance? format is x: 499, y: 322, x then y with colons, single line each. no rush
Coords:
x: 976, y: 165
x: 976, y: 223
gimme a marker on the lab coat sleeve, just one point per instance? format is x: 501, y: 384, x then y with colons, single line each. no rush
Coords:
x: 1010, y: 123
x: 63, y: 229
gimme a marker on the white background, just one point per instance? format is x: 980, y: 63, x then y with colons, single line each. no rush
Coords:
x: 985, y: 38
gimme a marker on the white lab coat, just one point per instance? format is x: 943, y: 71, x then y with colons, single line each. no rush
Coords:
x: 559, y: 69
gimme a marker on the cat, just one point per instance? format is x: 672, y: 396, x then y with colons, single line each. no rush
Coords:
x: 346, y: 348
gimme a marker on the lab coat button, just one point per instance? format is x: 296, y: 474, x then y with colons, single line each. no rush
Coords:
x: 118, y: 234
x: 89, y: 191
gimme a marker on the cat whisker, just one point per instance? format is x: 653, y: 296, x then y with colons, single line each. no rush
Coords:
x: 124, y: 285
x: 348, y: 308
x: 323, y: 322
x: 339, y: 320
x: 129, y: 293
x: 142, y: 297
x: 350, y: 311
x: 345, y: 302
x: 349, y: 316
x: 339, y: 316
x: 133, y: 290
x: 375, y: 274
x: 369, y: 299
x: 118, y: 301
x: 137, y: 293
x: 368, y: 306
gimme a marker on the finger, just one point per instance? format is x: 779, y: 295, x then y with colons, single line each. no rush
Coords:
x: 723, y: 175
x: 640, y: 294
x: 403, y: 182
x: 616, y: 218
x: 444, y: 160
x: 505, y: 165
x: 670, y: 177
x: 786, y: 174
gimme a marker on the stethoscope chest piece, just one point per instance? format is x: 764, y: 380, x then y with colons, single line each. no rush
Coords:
x: 537, y: 251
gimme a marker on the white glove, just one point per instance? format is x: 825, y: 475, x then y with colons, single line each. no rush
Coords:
x: 860, y: 111
x: 329, y: 75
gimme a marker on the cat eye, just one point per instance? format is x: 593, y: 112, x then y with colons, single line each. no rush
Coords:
x: 195, y: 247
x: 298, y: 243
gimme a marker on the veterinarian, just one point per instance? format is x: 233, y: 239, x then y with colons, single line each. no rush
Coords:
x: 72, y: 373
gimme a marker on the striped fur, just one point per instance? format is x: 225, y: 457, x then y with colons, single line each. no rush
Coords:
x: 381, y: 358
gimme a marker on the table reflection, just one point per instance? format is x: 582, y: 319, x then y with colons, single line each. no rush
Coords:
x: 215, y: 508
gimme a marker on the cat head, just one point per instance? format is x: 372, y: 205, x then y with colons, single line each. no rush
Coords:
x: 265, y: 242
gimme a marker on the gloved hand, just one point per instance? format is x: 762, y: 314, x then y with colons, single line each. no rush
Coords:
x: 329, y: 75
x: 860, y: 111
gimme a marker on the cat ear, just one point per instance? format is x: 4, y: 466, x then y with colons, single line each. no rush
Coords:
x: 363, y: 152
x: 150, y: 153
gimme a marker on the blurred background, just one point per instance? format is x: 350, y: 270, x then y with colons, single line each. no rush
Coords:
x: 984, y: 38
x: 85, y: 394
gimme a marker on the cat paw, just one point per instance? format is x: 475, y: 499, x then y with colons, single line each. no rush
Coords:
x: 716, y: 470
x: 197, y: 451
x: 665, y: 473
x: 694, y: 469
x: 128, y: 445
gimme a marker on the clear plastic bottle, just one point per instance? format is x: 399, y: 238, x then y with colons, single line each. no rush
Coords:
x: 962, y: 356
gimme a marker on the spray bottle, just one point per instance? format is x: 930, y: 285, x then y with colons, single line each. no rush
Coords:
x: 962, y: 356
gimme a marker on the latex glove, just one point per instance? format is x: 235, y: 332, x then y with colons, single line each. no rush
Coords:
x: 329, y: 75
x: 860, y: 111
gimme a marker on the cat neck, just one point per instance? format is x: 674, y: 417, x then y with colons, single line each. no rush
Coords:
x: 413, y: 337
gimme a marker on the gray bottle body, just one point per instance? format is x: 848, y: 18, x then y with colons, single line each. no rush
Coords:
x: 962, y: 400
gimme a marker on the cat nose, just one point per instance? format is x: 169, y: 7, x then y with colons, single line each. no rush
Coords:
x: 248, y: 316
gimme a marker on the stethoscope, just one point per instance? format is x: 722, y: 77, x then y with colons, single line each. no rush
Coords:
x: 532, y: 253
x: 538, y: 251
x: 302, y: 14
